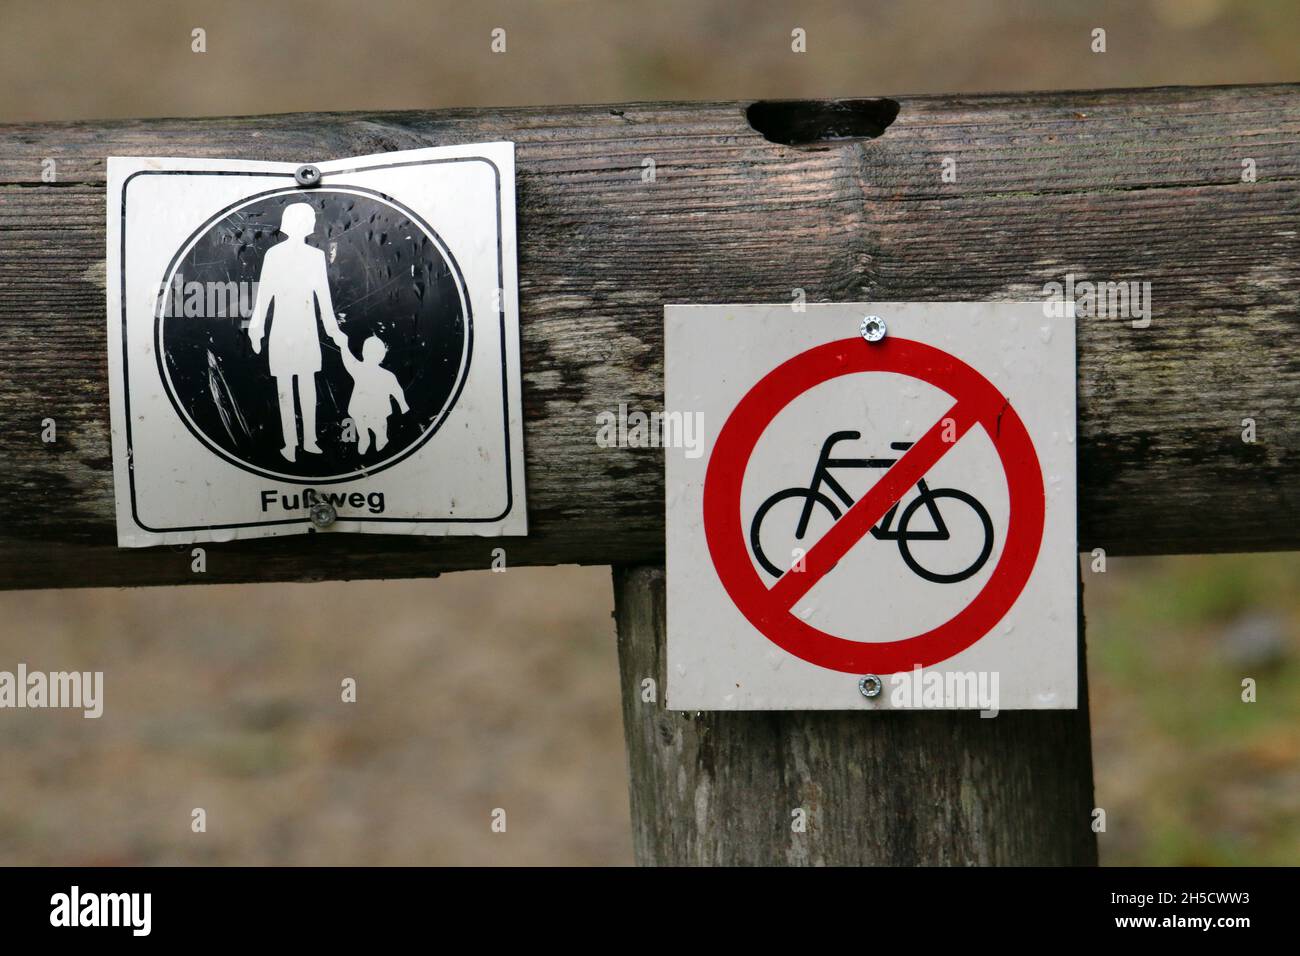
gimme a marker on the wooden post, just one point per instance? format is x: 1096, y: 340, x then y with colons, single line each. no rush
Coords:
x: 890, y: 789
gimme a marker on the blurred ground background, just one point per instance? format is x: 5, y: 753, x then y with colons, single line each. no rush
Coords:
x: 479, y: 691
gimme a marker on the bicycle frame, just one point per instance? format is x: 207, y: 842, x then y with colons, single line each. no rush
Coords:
x: 881, y: 532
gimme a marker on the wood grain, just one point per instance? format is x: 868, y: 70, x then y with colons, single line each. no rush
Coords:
x: 1139, y: 185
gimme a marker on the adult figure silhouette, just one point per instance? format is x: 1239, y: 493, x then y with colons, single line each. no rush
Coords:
x: 294, y: 279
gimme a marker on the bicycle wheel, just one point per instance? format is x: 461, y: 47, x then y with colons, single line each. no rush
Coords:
x: 937, y: 577
x: 755, y: 541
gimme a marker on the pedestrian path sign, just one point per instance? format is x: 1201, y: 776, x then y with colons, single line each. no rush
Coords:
x: 297, y: 347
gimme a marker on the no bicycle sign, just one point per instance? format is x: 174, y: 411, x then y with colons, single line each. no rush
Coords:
x: 884, y: 515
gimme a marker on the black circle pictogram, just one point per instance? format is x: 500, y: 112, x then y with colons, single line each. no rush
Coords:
x: 276, y: 379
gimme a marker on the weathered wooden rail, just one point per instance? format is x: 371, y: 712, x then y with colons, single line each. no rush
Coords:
x: 1133, y: 185
x: 846, y: 201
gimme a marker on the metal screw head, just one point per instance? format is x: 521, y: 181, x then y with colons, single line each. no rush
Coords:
x: 871, y: 686
x: 307, y: 176
x: 873, y: 328
x: 322, y: 514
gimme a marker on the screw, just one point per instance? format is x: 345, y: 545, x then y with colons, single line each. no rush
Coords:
x: 322, y: 514
x: 307, y: 176
x: 870, y: 686
x: 873, y: 328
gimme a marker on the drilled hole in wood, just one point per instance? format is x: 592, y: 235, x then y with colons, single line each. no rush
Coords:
x: 813, y: 122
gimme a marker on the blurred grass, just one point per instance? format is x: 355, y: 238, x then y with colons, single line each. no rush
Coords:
x: 78, y: 59
x: 1189, y: 773
x: 479, y: 691
x: 474, y: 691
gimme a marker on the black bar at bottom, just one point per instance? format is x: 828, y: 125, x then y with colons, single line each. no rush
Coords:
x: 874, y: 908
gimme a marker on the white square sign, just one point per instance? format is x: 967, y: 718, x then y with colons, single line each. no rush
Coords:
x: 883, y: 513
x: 296, y: 347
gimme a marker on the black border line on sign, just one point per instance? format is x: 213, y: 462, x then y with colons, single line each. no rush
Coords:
x: 505, y: 384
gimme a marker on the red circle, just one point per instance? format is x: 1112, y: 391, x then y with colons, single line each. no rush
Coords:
x: 729, y: 459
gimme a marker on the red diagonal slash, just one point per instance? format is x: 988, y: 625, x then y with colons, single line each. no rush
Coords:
x: 978, y: 403
x: 871, y: 507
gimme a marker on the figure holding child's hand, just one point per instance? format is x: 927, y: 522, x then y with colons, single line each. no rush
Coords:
x: 292, y: 283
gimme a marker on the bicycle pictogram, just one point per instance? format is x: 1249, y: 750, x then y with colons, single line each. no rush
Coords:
x: 885, y: 530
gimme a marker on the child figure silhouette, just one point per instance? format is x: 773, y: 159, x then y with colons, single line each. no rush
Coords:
x: 374, y: 388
